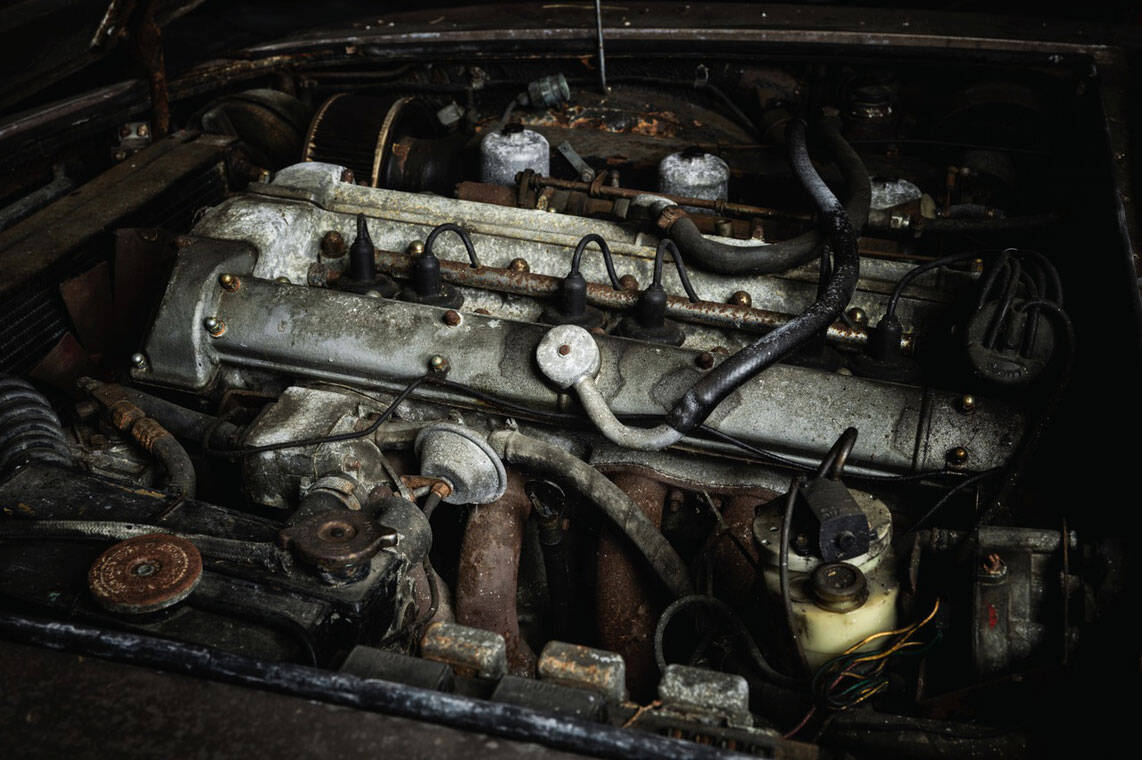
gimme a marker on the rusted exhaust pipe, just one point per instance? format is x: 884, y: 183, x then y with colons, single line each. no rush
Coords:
x: 489, y: 570
x: 629, y: 598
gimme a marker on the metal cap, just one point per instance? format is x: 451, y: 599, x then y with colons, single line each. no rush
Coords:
x: 839, y: 586
x: 145, y: 574
x: 461, y: 457
x: 568, y: 354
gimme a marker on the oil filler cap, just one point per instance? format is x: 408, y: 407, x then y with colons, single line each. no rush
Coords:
x: 145, y: 574
x: 839, y: 586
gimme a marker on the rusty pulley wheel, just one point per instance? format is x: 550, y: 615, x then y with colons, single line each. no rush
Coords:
x: 145, y: 573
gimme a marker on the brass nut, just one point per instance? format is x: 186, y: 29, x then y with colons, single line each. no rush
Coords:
x: 216, y: 327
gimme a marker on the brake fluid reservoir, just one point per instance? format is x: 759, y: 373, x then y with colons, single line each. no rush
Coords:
x: 835, y: 604
x: 694, y: 173
x: 511, y: 150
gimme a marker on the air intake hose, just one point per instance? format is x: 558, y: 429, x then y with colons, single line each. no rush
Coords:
x: 779, y: 257
x: 699, y: 401
x: 29, y: 428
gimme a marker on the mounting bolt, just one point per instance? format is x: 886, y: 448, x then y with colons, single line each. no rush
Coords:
x: 564, y: 349
x: 139, y: 361
x: 741, y: 298
x: 347, y: 176
x: 858, y: 316
x: 992, y: 567
x: 519, y: 265
x: 957, y: 457
x: 438, y: 364
x: 416, y: 248
x: 216, y: 327
x: 143, y: 130
x: 333, y: 245
x: 967, y: 403
x: 629, y: 282
x: 704, y: 360
x: 452, y: 318
x: 229, y: 282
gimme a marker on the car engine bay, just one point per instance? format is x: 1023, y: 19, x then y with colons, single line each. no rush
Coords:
x: 743, y: 399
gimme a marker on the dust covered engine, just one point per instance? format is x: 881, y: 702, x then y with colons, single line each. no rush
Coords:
x: 699, y: 410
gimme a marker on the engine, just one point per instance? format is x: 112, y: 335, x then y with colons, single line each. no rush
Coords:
x: 702, y: 405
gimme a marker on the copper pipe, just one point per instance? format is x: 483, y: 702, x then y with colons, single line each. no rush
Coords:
x: 581, y: 204
x: 599, y: 189
x: 629, y: 599
x: 723, y: 315
x: 489, y: 571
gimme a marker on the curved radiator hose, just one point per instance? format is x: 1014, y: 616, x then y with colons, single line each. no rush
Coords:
x: 29, y: 428
x: 147, y: 432
x: 531, y: 453
x: 779, y: 257
x: 699, y: 401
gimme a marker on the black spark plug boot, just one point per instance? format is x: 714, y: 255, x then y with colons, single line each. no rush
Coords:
x: 361, y: 275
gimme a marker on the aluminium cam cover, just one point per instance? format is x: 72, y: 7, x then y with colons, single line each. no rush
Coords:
x: 302, y: 332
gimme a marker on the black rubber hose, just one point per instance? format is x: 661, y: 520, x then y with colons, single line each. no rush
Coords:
x: 171, y: 455
x: 699, y: 401
x: 465, y: 238
x: 608, y: 258
x: 779, y: 257
x: 147, y: 432
x: 736, y: 626
x: 833, y: 465
x: 912, y: 274
x: 29, y: 428
x: 664, y: 245
x: 184, y: 423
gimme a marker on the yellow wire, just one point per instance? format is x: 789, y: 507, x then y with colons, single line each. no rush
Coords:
x: 906, y: 630
x: 881, y: 658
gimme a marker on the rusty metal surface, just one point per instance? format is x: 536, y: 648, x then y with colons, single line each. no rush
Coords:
x: 339, y: 541
x: 538, y: 285
x: 719, y: 206
x: 629, y: 599
x: 64, y: 364
x: 58, y: 704
x: 470, y: 651
x: 580, y: 204
x: 145, y: 574
x: 733, y: 549
x: 88, y: 298
x: 584, y: 668
x: 487, y: 578
x: 698, y: 693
